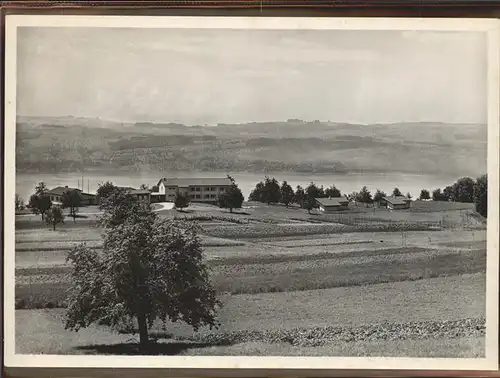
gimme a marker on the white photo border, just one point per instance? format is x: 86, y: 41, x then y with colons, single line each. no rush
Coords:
x: 488, y: 26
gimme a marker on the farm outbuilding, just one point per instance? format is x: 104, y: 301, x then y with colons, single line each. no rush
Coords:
x: 57, y: 193
x: 396, y: 202
x: 331, y: 204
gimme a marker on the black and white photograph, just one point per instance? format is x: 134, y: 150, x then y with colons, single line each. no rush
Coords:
x: 188, y: 187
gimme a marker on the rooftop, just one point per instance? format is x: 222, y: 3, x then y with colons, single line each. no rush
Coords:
x: 185, y: 182
x: 138, y: 191
x: 59, y: 190
x: 332, y: 201
x: 126, y: 188
x: 397, y: 200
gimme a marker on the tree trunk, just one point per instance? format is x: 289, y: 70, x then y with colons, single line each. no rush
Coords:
x: 143, y: 330
x: 230, y: 209
x: 54, y: 226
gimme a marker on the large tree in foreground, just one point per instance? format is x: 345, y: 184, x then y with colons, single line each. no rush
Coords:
x: 481, y: 195
x: 150, y: 268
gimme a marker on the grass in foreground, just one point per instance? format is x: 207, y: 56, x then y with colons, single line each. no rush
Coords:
x: 441, y: 299
x: 470, y: 347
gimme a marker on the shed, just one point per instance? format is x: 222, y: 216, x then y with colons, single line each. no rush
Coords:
x: 327, y: 205
x: 397, y: 202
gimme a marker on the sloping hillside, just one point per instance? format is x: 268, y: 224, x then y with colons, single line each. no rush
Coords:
x: 72, y: 144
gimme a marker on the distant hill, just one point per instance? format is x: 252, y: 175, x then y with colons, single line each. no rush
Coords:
x: 62, y: 144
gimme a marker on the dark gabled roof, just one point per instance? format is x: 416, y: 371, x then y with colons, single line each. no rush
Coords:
x: 59, y: 190
x: 397, y: 200
x: 126, y: 188
x: 87, y: 195
x: 185, y: 182
x: 333, y: 201
x: 138, y: 191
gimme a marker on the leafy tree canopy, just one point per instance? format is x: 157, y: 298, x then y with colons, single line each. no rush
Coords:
x: 364, y: 196
x: 287, y: 194
x: 481, y: 195
x: 463, y: 190
x: 379, y: 195
x: 72, y: 200
x: 272, y: 193
x: 40, y: 202
x: 300, y: 196
x: 150, y: 268
x: 232, y: 198
x: 332, y: 191
x: 54, y: 216
x: 104, y: 191
x: 424, y: 194
x: 396, y: 192
x: 181, y: 201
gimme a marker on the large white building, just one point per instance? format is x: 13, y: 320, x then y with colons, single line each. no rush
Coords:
x: 204, y: 190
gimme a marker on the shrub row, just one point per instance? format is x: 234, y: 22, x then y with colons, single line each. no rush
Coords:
x: 318, y: 336
x: 208, y: 218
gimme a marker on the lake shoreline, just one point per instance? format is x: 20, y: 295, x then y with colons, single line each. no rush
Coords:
x: 346, y: 182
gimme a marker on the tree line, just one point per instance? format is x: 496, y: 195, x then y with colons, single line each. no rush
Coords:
x: 270, y: 191
x: 466, y: 190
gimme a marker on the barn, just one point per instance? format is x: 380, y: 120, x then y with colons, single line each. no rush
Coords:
x: 56, y: 194
x: 397, y: 202
x: 327, y: 205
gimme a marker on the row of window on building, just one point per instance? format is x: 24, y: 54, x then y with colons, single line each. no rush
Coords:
x: 197, y: 196
x: 199, y: 189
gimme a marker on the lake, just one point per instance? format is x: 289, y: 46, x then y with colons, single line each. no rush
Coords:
x: 347, y: 183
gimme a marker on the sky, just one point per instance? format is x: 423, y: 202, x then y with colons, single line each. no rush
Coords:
x: 200, y: 76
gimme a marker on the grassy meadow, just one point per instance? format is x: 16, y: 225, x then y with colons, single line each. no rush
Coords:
x: 415, y: 279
